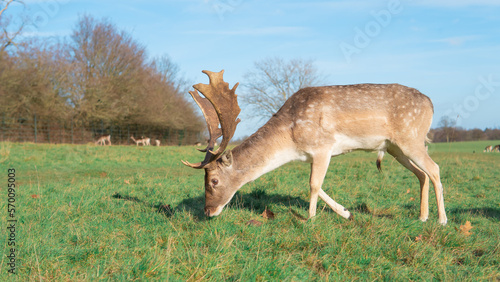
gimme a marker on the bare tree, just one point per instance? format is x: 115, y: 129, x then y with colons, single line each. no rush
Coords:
x: 448, y: 126
x: 170, y: 72
x: 274, y: 80
x: 7, y: 36
x: 109, y: 71
x: 30, y: 82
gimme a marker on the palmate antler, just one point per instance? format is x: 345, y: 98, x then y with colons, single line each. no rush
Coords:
x: 219, y: 107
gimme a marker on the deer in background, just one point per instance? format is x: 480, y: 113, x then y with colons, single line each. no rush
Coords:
x: 102, y: 140
x: 157, y: 142
x: 488, y: 149
x: 313, y: 125
x: 144, y: 141
x: 496, y: 148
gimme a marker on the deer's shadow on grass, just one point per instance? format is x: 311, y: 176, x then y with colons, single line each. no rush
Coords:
x: 257, y: 201
x: 159, y: 207
x: 487, y: 212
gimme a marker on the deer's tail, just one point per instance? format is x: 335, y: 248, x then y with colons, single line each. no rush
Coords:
x: 379, y: 160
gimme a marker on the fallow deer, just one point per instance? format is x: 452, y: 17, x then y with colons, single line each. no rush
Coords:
x: 488, y: 149
x: 144, y: 141
x: 102, y: 140
x: 496, y: 148
x: 313, y: 125
x: 157, y: 142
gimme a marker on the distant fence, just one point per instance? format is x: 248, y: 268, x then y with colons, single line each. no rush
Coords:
x: 36, y: 130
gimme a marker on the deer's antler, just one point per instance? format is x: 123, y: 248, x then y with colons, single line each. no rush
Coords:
x: 211, y: 118
x: 219, y: 106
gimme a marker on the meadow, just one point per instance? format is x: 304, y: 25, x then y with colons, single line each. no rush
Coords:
x: 87, y: 212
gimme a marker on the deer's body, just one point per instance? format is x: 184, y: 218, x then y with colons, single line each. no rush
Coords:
x: 496, y: 148
x: 317, y: 123
x: 145, y: 141
x: 335, y: 120
x: 488, y: 149
x: 102, y: 140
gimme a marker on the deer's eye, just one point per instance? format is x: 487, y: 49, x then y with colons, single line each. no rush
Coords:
x: 215, y: 181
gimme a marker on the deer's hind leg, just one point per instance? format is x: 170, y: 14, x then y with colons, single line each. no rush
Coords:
x: 419, y: 157
x: 422, y: 178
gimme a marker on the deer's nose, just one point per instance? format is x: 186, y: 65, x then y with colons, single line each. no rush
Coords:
x: 207, y: 211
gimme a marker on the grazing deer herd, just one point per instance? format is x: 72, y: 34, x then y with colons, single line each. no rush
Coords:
x: 313, y: 125
x: 145, y: 141
x: 491, y: 148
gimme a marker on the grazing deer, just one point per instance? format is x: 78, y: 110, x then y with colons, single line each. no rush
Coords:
x: 496, y: 148
x: 157, y: 142
x: 144, y: 141
x: 102, y: 140
x: 313, y: 125
x: 488, y: 149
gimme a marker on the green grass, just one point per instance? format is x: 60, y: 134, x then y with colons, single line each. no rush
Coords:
x: 126, y: 213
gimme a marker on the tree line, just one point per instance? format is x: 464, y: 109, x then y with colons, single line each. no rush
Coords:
x: 449, y: 132
x: 98, y: 74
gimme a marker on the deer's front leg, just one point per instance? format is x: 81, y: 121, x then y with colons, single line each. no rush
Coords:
x: 318, y: 172
x: 319, y: 167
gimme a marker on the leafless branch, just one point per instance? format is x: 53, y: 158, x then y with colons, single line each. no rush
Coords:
x: 273, y: 81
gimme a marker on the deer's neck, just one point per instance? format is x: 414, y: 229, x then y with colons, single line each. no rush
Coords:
x: 267, y: 149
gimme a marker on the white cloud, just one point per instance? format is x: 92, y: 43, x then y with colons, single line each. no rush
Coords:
x: 457, y: 40
x: 273, y: 30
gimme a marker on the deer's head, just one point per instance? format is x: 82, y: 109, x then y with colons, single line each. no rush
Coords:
x: 220, y: 107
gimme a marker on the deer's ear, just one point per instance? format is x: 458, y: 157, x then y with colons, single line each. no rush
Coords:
x: 227, y: 158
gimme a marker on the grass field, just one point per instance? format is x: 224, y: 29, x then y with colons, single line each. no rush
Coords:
x: 125, y: 213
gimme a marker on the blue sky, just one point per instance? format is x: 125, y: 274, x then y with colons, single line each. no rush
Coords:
x: 449, y: 50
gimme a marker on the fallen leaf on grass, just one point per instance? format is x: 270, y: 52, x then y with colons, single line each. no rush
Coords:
x: 103, y: 174
x: 254, y: 222
x: 267, y: 214
x: 466, y: 228
x: 418, y: 238
x: 126, y: 181
x: 408, y: 191
x: 35, y: 196
x: 412, y: 199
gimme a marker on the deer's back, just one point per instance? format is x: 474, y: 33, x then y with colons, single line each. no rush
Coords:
x: 318, y: 115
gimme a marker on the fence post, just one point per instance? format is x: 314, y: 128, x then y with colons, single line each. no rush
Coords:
x: 120, y: 137
x: 48, y: 130
x: 111, y: 130
x: 72, y: 138
x: 34, y: 119
x: 19, y: 130
x: 61, y: 130
x: 3, y: 126
x: 82, y: 138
